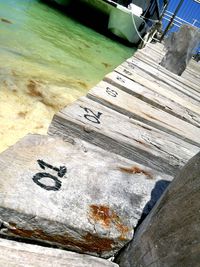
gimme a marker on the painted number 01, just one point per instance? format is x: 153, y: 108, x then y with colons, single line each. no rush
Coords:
x: 57, y: 183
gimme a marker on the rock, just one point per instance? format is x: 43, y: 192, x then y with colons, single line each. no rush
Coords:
x: 17, y: 254
x: 170, y: 235
x: 180, y: 48
x: 76, y: 196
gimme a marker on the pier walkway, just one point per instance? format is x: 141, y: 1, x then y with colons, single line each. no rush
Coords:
x: 140, y: 111
x: 108, y: 158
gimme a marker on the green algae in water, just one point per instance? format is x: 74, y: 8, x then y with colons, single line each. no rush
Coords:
x: 44, y: 43
x: 47, y: 60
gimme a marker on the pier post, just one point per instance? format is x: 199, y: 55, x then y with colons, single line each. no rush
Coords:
x: 180, y: 49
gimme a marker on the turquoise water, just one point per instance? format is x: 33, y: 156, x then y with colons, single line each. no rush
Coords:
x: 47, y: 61
x: 43, y: 42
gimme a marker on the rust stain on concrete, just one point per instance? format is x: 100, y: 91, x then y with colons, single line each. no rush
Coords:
x: 86, y: 243
x: 98, y: 244
x: 101, y: 214
x: 136, y: 170
x: 108, y: 218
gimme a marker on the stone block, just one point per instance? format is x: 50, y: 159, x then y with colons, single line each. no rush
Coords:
x: 170, y: 234
x: 17, y: 254
x: 76, y: 196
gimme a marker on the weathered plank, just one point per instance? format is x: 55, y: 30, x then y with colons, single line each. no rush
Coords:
x: 192, y: 76
x: 17, y: 254
x: 170, y: 235
x: 192, y: 69
x: 153, y: 57
x: 151, y: 54
x: 170, y: 78
x: 151, y: 51
x: 159, y: 47
x: 156, y: 72
x: 117, y: 133
x: 140, y: 110
x: 151, y: 97
x: 156, y: 47
x: 128, y: 70
x: 75, y: 196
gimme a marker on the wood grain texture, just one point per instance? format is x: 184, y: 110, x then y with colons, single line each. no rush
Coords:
x: 146, y: 70
x: 128, y: 70
x: 17, y: 254
x: 133, y: 107
x: 122, y: 135
x: 154, y: 58
x: 129, y: 86
x: 161, y: 73
x: 192, y: 72
x: 151, y: 58
x: 153, y: 54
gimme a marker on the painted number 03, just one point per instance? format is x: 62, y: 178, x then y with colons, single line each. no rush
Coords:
x: 111, y: 92
x: 92, y: 116
x: 61, y: 171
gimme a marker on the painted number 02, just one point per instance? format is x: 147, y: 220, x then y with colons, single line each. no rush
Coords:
x: 61, y: 171
x: 91, y: 116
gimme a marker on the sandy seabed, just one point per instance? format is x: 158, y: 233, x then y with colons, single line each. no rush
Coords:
x: 28, y: 106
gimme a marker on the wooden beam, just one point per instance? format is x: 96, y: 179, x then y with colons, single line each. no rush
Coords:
x: 151, y: 97
x: 128, y: 70
x: 142, y: 111
x: 160, y: 72
x: 127, y: 137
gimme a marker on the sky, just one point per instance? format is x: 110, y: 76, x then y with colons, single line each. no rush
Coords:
x: 189, y: 11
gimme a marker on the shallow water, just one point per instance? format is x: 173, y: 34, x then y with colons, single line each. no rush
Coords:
x: 47, y: 60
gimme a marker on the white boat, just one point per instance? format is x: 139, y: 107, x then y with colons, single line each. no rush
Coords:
x: 127, y: 23
x: 129, y: 20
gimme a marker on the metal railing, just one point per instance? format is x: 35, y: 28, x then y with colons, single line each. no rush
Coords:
x: 179, y: 21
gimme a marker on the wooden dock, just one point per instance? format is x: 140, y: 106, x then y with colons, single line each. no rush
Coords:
x: 140, y: 111
x: 118, y: 148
